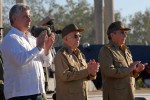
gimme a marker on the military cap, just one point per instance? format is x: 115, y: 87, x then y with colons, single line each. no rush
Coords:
x: 70, y: 28
x: 118, y: 25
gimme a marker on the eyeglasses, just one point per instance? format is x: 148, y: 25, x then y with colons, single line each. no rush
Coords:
x: 122, y: 32
x: 77, y: 36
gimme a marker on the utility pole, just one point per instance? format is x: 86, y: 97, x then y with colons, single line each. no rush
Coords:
x: 109, y: 15
x: 99, y: 21
x: 21, y: 1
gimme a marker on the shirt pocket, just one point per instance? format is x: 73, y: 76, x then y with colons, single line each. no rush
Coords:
x: 83, y: 62
x: 73, y: 66
x: 118, y: 62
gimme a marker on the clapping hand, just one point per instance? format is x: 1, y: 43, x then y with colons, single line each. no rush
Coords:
x: 48, y: 43
x: 43, y: 41
x: 140, y: 67
x: 93, y: 67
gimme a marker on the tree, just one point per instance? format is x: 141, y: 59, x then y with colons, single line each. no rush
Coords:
x: 39, y: 10
x: 80, y: 13
x: 140, y: 25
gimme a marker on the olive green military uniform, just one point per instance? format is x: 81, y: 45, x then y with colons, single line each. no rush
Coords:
x: 71, y: 75
x: 118, y: 80
x: 1, y: 80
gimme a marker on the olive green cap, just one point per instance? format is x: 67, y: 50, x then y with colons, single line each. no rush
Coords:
x: 70, y: 28
x: 118, y: 25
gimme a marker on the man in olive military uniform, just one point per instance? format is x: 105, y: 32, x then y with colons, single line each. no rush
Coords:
x: 117, y: 67
x: 71, y: 70
x: 1, y: 72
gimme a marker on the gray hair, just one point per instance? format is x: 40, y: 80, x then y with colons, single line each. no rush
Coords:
x: 16, y: 9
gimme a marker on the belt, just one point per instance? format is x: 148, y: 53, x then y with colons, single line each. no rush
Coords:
x: 32, y: 97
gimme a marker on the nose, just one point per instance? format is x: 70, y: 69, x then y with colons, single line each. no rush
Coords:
x: 78, y: 38
x: 124, y: 34
x: 28, y: 19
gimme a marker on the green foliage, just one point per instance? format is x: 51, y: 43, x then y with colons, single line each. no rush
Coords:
x: 82, y: 14
x: 117, y: 16
x: 140, y: 25
x: 139, y: 83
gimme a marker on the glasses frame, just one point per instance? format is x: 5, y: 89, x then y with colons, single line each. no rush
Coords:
x: 77, y: 36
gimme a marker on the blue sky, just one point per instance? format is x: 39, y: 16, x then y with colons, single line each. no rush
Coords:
x: 129, y: 7
x: 126, y: 7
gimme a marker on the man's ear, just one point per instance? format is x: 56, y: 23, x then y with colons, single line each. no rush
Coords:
x: 14, y: 17
x: 65, y: 38
x: 112, y: 35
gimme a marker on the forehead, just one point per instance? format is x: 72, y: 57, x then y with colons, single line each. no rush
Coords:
x: 74, y: 32
x: 120, y: 31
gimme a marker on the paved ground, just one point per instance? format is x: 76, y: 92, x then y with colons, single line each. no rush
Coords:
x: 97, y: 95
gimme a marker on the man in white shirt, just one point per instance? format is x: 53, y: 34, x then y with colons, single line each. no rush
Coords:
x: 23, y: 56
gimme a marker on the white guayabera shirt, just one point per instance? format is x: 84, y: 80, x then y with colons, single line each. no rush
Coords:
x: 23, y: 65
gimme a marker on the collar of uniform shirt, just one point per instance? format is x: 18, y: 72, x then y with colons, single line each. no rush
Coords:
x: 76, y: 52
x: 123, y: 47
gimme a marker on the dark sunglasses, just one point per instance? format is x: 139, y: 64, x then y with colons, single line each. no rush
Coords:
x: 124, y: 32
x: 77, y: 36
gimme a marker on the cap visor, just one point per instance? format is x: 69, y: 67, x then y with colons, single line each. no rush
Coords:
x: 80, y: 30
x: 125, y: 29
